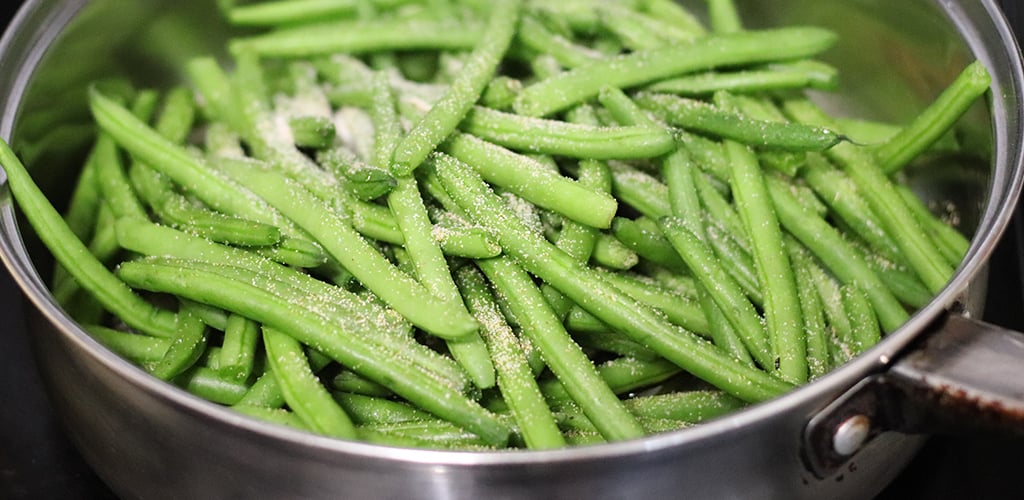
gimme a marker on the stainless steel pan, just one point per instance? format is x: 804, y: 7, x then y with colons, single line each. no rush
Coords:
x: 843, y: 436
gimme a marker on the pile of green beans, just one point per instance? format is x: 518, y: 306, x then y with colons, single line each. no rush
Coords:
x: 477, y: 225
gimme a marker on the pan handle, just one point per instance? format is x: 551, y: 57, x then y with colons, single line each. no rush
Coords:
x: 965, y: 377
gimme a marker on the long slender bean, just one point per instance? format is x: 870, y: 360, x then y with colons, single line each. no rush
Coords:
x: 444, y: 116
x: 357, y: 256
x: 702, y: 117
x: 533, y: 182
x: 775, y: 274
x: 537, y: 135
x: 315, y: 330
x: 598, y: 296
x: 301, y: 389
x: 936, y: 120
x: 576, y: 85
x: 515, y: 378
x: 898, y: 221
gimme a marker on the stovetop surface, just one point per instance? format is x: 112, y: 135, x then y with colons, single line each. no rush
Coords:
x: 38, y: 462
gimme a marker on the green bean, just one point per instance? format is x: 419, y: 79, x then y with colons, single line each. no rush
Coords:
x: 561, y: 354
x: 278, y: 416
x: 444, y: 116
x: 775, y: 274
x: 772, y: 77
x: 633, y: 29
x: 610, y: 342
x: 85, y: 201
x: 533, y: 182
x: 140, y: 349
x: 377, y: 222
x: 902, y: 282
x: 727, y: 247
x: 828, y: 245
x: 811, y: 306
x: 623, y: 375
x: 101, y: 245
x: 351, y: 383
x: 644, y: 237
x: 150, y: 239
x: 838, y: 319
x: 432, y: 271
x: 315, y: 330
x: 724, y: 17
x: 949, y: 241
x: 553, y: 137
x: 865, y: 330
x: 689, y: 406
x: 301, y: 389
x: 709, y: 155
x: 338, y: 238
x: 73, y: 256
x: 640, y: 190
x: 211, y: 385
x: 515, y: 378
x: 724, y: 290
x: 678, y: 309
x: 264, y: 393
x: 574, y: 86
x: 611, y: 253
x: 579, y: 320
x: 841, y: 195
x: 675, y: 14
x: 361, y: 36
x: 258, y: 125
x: 176, y: 163
x: 623, y: 109
x: 596, y: 295
x: 936, y: 120
x: 184, y: 349
x: 702, y: 117
x: 313, y: 132
x: 534, y: 35
x: 430, y: 434
x: 500, y: 92
x: 284, y: 13
x: 367, y: 410
x: 238, y: 351
x: 897, y: 220
x: 360, y: 316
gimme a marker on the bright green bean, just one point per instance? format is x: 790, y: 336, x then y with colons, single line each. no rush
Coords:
x: 936, y: 120
x: 574, y: 86
x: 775, y: 274
x: 533, y: 182
x: 726, y: 293
x: 444, y: 116
x: 302, y: 390
x: 772, y: 77
x: 537, y: 135
x: 357, y: 256
x: 702, y: 117
x: 515, y: 378
x: 315, y: 330
x: 898, y: 220
x: 69, y: 251
x: 238, y: 350
x: 598, y: 296
x: 565, y: 359
x: 828, y: 245
x: 866, y: 332
x: 361, y: 36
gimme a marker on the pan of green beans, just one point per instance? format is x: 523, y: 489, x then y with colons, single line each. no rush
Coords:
x: 515, y: 249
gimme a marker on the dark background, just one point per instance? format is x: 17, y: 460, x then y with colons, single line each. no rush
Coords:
x: 38, y: 462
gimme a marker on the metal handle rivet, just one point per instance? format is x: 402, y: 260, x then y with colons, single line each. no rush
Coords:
x: 851, y: 435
